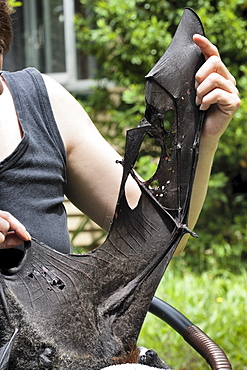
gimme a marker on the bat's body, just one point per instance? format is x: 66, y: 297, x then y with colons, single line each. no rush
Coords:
x: 85, y: 311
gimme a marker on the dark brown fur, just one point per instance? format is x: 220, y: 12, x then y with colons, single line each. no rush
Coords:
x: 5, y: 26
x: 129, y: 357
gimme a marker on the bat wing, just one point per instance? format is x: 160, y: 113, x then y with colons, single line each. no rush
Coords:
x: 171, y: 87
x: 86, y: 311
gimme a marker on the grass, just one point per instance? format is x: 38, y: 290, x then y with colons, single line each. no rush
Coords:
x: 216, y: 302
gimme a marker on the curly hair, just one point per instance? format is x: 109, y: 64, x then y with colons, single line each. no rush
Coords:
x: 5, y: 26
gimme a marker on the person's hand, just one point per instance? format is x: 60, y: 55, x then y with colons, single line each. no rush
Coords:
x: 216, y: 90
x: 12, y: 232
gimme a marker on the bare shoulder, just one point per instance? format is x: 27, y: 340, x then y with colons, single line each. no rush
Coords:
x: 60, y: 98
x: 70, y: 116
x: 52, y: 85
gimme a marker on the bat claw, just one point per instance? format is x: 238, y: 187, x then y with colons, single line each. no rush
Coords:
x: 192, y: 233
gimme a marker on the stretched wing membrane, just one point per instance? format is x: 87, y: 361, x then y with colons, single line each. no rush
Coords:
x: 85, y: 311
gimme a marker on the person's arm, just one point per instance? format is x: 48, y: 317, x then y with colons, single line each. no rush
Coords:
x: 217, y: 92
x: 93, y: 175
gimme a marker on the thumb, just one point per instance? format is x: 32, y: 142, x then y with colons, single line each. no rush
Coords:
x: 13, y: 240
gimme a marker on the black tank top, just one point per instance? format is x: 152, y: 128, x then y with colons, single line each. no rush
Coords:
x: 33, y: 176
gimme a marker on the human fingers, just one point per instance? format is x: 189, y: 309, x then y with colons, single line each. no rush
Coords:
x: 215, y: 82
x: 206, y: 46
x: 11, y: 231
x: 213, y: 61
x: 213, y: 65
x: 4, y: 228
x: 11, y: 240
x: 227, y: 103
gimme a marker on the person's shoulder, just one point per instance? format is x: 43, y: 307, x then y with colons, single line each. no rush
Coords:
x: 56, y: 92
x: 51, y: 83
x: 20, y: 73
x: 68, y: 112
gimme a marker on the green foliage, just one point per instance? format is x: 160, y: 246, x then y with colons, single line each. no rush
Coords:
x: 84, y: 221
x: 222, y: 229
x: 214, y: 301
x: 14, y: 3
x: 126, y: 38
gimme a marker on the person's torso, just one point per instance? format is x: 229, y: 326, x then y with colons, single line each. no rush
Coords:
x: 33, y: 164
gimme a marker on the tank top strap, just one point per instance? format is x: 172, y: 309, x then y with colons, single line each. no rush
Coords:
x: 30, y: 96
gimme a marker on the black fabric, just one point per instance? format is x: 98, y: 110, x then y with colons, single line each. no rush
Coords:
x: 33, y: 176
